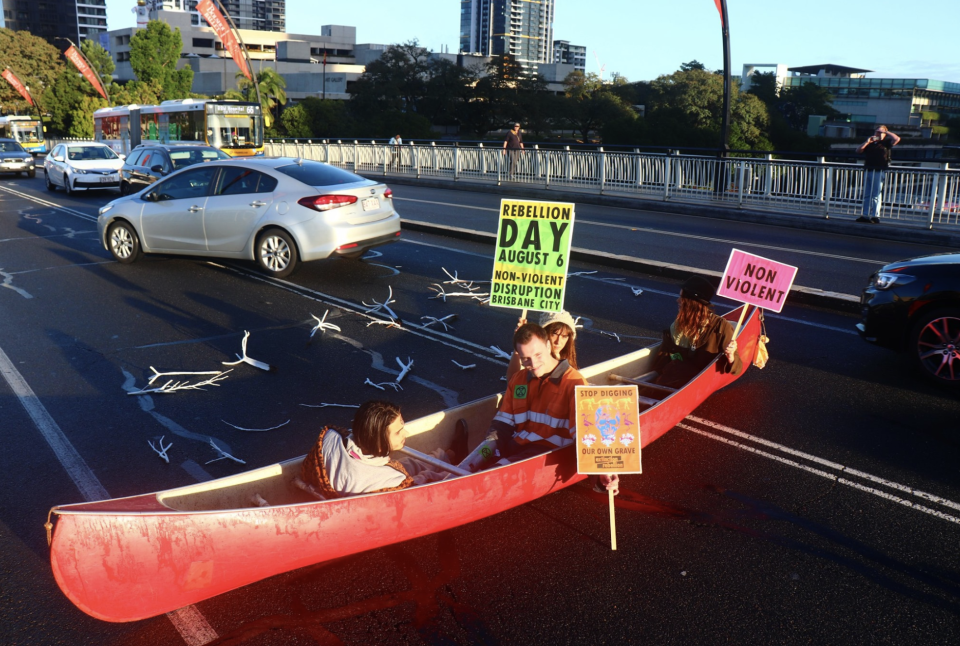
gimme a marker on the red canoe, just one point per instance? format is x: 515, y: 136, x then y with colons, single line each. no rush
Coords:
x: 132, y: 558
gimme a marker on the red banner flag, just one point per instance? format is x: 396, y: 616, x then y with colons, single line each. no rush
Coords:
x: 719, y: 4
x: 17, y: 85
x: 216, y: 20
x: 74, y: 56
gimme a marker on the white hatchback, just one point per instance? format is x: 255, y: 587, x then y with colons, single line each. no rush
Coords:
x: 82, y: 166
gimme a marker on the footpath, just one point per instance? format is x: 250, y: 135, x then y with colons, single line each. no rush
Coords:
x: 484, y: 231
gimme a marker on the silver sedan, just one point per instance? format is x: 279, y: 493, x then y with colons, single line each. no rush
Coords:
x: 274, y: 211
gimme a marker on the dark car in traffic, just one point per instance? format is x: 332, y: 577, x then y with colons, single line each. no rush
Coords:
x: 149, y: 162
x: 14, y: 159
x: 914, y: 306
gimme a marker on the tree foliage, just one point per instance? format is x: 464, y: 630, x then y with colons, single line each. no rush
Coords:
x: 36, y: 63
x: 272, y: 92
x: 154, y: 54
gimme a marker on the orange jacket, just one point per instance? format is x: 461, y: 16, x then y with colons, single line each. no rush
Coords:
x: 542, y: 409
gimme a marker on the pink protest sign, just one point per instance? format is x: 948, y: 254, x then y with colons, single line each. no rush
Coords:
x: 756, y: 280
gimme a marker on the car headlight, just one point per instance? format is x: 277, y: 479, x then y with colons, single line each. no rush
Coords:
x: 79, y: 171
x: 886, y: 280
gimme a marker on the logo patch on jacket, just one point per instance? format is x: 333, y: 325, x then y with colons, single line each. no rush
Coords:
x: 519, y: 392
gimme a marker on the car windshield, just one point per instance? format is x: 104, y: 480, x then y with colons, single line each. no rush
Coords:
x: 316, y: 174
x: 83, y: 153
x: 11, y: 147
x: 183, y: 158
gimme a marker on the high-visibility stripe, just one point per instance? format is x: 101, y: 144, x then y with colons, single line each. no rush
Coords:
x: 516, y: 419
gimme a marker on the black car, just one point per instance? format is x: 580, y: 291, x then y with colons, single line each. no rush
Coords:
x: 149, y: 162
x: 914, y: 306
x: 14, y: 159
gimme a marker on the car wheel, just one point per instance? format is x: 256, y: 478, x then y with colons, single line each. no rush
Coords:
x: 32, y: 173
x: 935, y: 346
x: 124, y: 243
x: 50, y: 186
x: 66, y: 185
x: 277, y: 253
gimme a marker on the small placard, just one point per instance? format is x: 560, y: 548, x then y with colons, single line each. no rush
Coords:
x: 608, y: 430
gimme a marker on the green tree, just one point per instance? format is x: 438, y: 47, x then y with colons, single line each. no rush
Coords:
x: 395, y: 82
x: 590, y: 106
x: 692, y: 65
x: 36, y: 63
x: 272, y: 92
x: 154, y: 54
x: 295, y: 121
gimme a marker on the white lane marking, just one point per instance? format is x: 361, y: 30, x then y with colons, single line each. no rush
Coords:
x: 407, y: 326
x: 827, y: 463
x: 37, y: 200
x: 823, y: 474
x: 75, y: 466
x: 8, y: 283
x: 616, y: 281
x: 79, y: 264
x: 58, y: 235
x: 673, y: 233
x: 191, y: 625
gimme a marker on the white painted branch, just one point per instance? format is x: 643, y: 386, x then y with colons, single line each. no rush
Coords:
x: 171, y: 374
x: 255, y: 430
x: 404, y: 369
x: 322, y: 325
x: 500, y: 353
x: 580, y: 273
x: 245, y: 358
x: 325, y: 405
x: 432, y: 320
x: 162, y: 451
x: 381, y: 386
x: 174, y: 386
x: 472, y: 365
x: 385, y: 306
x: 223, y: 455
x: 386, y: 323
x: 636, y: 291
x: 613, y: 334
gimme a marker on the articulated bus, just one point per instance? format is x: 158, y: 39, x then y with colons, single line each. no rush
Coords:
x: 234, y: 127
x: 27, y: 130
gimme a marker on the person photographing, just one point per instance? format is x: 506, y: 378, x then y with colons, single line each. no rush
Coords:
x: 876, y: 150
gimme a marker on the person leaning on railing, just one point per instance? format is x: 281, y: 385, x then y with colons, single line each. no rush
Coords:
x: 877, y: 152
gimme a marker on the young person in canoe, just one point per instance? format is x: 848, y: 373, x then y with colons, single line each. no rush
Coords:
x: 345, y: 463
x: 695, y: 338
x: 562, y: 332
x: 537, y: 412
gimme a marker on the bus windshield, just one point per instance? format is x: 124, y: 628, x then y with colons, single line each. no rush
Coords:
x: 26, y: 131
x: 234, y: 131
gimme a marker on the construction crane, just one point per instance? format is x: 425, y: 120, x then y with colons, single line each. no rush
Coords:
x: 602, y: 67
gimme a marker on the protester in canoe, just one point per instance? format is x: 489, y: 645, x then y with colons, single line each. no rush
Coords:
x: 695, y: 338
x: 537, y: 412
x: 344, y: 463
x: 562, y: 332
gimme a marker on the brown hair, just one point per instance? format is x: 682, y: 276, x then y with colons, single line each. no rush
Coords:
x: 569, y: 351
x: 370, y: 426
x: 526, y: 332
x: 692, y: 317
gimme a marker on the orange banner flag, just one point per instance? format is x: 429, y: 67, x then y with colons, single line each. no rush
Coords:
x: 17, y: 85
x: 74, y: 56
x: 216, y: 20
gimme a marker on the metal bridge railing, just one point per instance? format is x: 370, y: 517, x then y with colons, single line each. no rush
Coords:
x: 917, y: 196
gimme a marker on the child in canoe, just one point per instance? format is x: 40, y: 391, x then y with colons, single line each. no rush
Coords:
x: 344, y: 463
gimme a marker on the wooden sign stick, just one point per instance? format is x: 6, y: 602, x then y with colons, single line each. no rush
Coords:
x: 613, y: 522
x: 743, y: 315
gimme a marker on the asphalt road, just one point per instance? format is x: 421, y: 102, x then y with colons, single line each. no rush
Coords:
x: 815, y: 501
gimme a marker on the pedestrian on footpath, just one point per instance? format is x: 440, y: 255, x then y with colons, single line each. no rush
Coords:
x: 876, y: 149
x: 513, y: 147
x: 396, y: 142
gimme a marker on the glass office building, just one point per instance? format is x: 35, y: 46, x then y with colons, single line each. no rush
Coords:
x: 517, y: 27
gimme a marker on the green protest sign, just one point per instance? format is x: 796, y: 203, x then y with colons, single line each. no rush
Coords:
x: 532, y: 255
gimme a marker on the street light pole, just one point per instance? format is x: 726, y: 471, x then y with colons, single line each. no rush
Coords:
x: 90, y: 65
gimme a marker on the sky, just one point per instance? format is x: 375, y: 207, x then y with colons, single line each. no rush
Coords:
x: 643, y: 39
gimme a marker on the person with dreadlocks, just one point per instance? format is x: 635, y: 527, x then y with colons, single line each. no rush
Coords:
x: 695, y: 338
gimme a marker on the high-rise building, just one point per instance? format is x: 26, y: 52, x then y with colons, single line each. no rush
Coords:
x: 51, y: 19
x: 520, y: 28
x: 576, y: 55
x: 256, y: 15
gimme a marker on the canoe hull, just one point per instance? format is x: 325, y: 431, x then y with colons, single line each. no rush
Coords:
x: 134, y: 558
